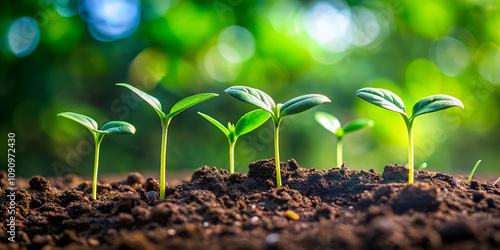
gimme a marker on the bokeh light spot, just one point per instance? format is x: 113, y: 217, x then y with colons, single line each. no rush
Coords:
x: 219, y: 68
x: 330, y: 25
x: 282, y: 16
x: 155, y: 8
x: 23, y: 36
x: 422, y: 79
x: 148, y: 68
x: 490, y: 59
x: 67, y: 8
x: 451, y: 56
x: 111, y: 19
x: 236, y: 44
x: 430, y: 18
x: 367, y: 27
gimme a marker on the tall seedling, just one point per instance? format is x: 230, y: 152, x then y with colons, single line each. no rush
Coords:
x: 388, y: 100
x: 165, y: 121
x: 262, y: 100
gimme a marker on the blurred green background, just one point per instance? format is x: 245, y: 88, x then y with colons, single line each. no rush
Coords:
x: 67, y: 55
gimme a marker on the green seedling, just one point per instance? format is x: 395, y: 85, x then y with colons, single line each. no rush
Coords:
x: 423, y: 166
x: 332, y: 124
x: 113, y: 127
x: 165, y: 121
x: 388, y: 100
x: 262, y: 100
x: 245, y: 124
x: 473, y: 170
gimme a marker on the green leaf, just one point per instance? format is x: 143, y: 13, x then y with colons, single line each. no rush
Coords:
x: 86, y: 121
x: 189, y: 102
x: 329, y: 122
x: 148, y: 98
x: 118, y: 127
x: 383, y: 98
x: 302, y: 103
x: 216, y: 123
x: 253, y: 96
x: 251, y: 121
x: 357, y: 125
x: 434, y: 103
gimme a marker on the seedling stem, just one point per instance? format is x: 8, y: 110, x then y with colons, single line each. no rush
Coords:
x: 411, y: 158
x: 98, y: 140
x: 339, y: 151
x: 277, y: 153
x: 473, y: 170
x: 231, y: 156
x: 163, y: 157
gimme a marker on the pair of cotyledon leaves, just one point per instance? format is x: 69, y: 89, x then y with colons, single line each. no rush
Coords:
x: 262, y: 100
x: 245, y: 124
x: 176, y: 109
x: 332, y: 124
x: 388, y: 100
x: 113, y: 127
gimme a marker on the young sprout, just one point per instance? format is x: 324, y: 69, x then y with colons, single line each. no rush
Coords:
x: 388, y: 100
x: 278, y: 111
x: 473, y: 170
x: 165, y: 121
x: 245, y: 124
x: 332, y: 124
x: 423, y: 166
x: 113, y: 127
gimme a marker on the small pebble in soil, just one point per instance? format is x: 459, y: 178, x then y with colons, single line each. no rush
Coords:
x: 272, y: 238
x: 171, y: 232
x: 152, y: 185
x: 292, y: 215
x: 152, y: 194
x: 394, y: 173
x: 134, y: 178
x: 293, y: 165
x: 206, y: 224
x: 130, y: 200
x: 126, y: 219
x: 39, y: 183
x: 254, y: 219
x: 477, y: 196
x: 93, y: 242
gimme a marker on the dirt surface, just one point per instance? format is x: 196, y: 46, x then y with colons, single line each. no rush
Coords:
x: 315, y: 209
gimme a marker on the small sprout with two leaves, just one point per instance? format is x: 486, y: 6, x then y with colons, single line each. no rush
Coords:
x: 262, y: 100
x: 473, y: 170
x: 332, y: 124
x: 388, y: 100
x: 165, y: 120
x: 247, y: 123
x: 113, y: 127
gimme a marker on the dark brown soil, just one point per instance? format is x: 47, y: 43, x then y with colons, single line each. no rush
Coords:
x: 338, y: 208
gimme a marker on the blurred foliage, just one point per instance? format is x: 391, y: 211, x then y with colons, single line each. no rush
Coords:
x: 176, y: 48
